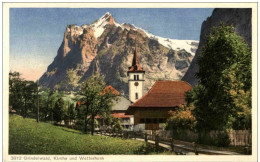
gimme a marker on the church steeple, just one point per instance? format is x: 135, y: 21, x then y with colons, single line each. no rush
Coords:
x: 136, y: 67
x: 135, y: 79
x: 135, y: 58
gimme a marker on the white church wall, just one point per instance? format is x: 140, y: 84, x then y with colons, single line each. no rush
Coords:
x: 133, y: 89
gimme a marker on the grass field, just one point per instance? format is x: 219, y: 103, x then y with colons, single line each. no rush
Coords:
x: 26, y: 136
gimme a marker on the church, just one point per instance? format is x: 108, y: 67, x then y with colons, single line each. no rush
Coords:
x: 150, y: 110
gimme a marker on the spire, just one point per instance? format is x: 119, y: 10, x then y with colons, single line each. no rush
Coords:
x: 135, y: 58
x: 135, y: 63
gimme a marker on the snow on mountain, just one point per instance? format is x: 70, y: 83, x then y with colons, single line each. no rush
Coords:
x: 99, y: 27
x: 175, y: 44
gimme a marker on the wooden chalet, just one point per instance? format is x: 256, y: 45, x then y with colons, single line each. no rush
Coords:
x: 151, y: 111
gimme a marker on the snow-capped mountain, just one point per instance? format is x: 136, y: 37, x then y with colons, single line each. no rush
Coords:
x: 107, y: 46
x: 187, y: 45
x: 99, y: 27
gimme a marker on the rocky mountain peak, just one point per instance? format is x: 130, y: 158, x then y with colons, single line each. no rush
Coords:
x: 106, y: 46
x: 99, y: 25
x: 109, y: 18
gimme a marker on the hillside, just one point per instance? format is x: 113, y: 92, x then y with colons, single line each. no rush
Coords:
x: 107, y: 47
x: 26, y: 136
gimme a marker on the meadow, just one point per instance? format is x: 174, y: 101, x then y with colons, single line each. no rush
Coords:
x: 26, y: 136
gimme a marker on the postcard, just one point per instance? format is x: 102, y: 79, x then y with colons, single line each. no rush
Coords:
x: 130, y: 81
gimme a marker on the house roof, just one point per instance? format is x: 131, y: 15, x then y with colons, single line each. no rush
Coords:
x: 112, y: 90
x: 120, y: 115
x: 136, y: 67
x: 163, y: 94
x: 115, y: 115
x: 121, y: 104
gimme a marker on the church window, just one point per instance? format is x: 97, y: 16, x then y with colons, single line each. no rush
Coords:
x: 136, y: 77
x: 136, y: 95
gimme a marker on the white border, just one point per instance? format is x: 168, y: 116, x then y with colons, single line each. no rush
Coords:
x: 5, y: 44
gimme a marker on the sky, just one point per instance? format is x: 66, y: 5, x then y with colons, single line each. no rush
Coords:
x: 37, y: 33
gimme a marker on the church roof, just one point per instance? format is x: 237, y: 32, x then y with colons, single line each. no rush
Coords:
x: 111, y: 89
x: 121, y: 104
x: 136, y: 67
x: 163, y: 94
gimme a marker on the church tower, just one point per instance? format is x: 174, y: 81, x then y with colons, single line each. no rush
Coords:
x: 135, y: 79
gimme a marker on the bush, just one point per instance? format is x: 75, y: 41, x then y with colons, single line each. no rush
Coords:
x: 222, y: 139
x: 181, y: 119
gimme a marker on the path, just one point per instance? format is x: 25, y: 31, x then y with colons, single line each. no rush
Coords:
x: 186, y: 149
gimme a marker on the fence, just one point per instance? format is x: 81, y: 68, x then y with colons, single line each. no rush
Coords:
x: 190, y: 147
x: 179, y: 146
x: 237, y: 137
x: 240, y: 137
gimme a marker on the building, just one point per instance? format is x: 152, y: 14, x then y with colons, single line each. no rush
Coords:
x: 135, y: 79
x: 118, y: 110
x: 151, y: 110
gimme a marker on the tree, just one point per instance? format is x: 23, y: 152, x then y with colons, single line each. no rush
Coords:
x: 53, y: 97
x: 116, y: 125
x: 182, y: 119
x: 15, y: 91
x: 22, y: 94
x: 96, y: 101
x: 46, y: 104
x: 72, y: 113
x: 29, y: 96
x: 113, y: 123
x: 58, y: 111
x: 223, y: 95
